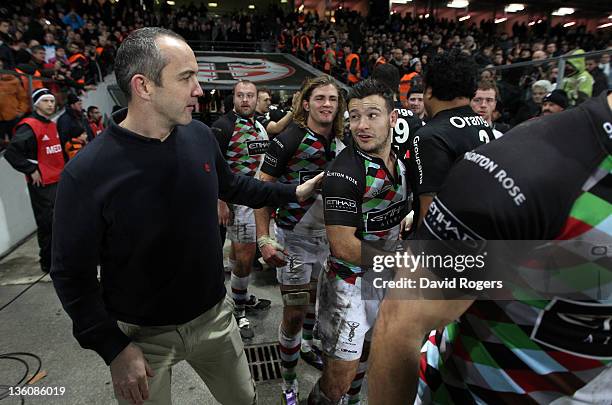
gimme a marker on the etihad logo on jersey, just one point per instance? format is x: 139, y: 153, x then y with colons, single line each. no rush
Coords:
x: 257, y: 147
x: 472, y: 121
x: 445, y: 226
x: 382, y: 190
x: 340, y: 204
x: 270, y: 160
x: 385, y: 219
x: 53, y: 149
x: 228, y: 69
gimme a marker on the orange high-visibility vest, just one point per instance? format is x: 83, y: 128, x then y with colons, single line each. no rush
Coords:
x: 405, y: 83
x: 351, y: 77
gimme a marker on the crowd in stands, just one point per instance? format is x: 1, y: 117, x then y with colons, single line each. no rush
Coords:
x: 70, y: 49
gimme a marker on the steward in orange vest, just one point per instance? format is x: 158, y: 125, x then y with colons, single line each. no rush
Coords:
x: 353, y: 65
x: 78, y: 64
x: 35, y: 151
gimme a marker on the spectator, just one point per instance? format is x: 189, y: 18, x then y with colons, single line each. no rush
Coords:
x: 72, y: 123
x: 484, y: 103
x: 577, y: 83
x: 94, y: 117
x: 35, y: 151
x: 604, y: 65
x: 396, y: 60
x: 415, y: 102
x: 551, y: 50
x: 6, y: 54
x: 531, y: 108
x: 35, y: 68
x: 554, y: 102
x: 353, y: 66
x: 405, y: 67
x: 14, y: 104
x: 49, y: 47
x: 410, y: 79
x: 600, y: 81
x: 73, y: 20
x: 79, y: 64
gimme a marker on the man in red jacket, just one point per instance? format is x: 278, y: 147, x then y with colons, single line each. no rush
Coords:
x: 35, y: 151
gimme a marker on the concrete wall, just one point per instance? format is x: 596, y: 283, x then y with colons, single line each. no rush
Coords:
x: 16, y: 216
x: 100, y: 97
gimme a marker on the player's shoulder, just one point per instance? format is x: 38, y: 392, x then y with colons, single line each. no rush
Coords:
x: 225, y: 122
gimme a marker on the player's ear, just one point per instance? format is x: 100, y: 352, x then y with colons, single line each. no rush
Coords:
x: 393, y: 118
x: 305, y: 105
x: 428, y: 93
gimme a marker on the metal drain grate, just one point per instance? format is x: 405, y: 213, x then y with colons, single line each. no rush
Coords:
x: 264, y: 361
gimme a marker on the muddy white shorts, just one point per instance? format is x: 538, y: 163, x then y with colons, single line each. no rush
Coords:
x: 242, y: 229
x: 344, y: 320
x: 306, y: 256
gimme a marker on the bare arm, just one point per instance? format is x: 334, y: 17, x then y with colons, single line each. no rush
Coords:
x: 344, y: 244
x: 262, y: 222
x: 276, y: 127
x: 398, y: 336
x: 425, y: 201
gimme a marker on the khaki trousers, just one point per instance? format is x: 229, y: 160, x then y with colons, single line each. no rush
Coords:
x: 210, y: 343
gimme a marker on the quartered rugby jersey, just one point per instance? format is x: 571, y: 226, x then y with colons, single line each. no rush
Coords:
x: 294, y: 156
x: 359, y: 191
x: 243, y: 142
x: 545, y: 350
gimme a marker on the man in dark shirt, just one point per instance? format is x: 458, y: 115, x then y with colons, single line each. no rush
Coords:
x: 141, y: 201
x: 72, y: 123
x: 454, y: 128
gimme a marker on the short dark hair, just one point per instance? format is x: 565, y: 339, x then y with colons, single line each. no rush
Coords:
x: 451, y: 75
x: 91, y: 108
x: 264, y: 90
x: 139, y: 54
x: 388, y: 75
x: 242, y: 82
x: 594, y: 58
x: 371, y: 87
x: 37, y: 48
x: 415, y: 89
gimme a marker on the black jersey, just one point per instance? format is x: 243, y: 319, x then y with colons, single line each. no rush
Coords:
x: 359, y: 191
x: 263, y: 119
x: 407, y: 123
x: 276, y: 113
x: 297, y: 154
x: 434, y: 148
x: 549, y: 178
